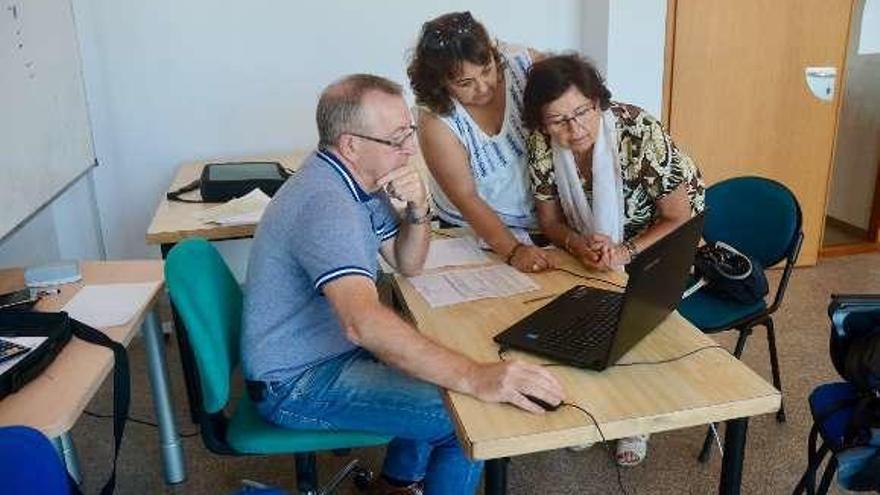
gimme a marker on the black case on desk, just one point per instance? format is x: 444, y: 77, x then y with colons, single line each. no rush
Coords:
x: 54, y: 326
x: 224, y: 190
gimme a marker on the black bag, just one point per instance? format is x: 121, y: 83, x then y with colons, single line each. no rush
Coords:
x: 221, y: 182
x: 855, y: 352
x: 730, y: 274
x: 58, y: 328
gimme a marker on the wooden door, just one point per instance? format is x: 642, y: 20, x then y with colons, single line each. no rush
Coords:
x: 736, y: 96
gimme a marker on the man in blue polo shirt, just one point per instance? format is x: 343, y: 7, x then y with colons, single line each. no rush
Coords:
x: 319, y: 349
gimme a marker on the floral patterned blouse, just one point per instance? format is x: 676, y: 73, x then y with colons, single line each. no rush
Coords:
x: 652, y: 167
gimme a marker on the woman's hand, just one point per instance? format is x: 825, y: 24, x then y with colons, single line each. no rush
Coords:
x: 531, y: 259
x: 611, y: 255
x: 580, y: 247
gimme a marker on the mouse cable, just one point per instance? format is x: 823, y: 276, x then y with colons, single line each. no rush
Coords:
x: 587, y: 277
x: 604, y: 444
x: 136, y: 420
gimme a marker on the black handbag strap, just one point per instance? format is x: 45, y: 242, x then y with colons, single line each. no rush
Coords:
x: 121, y: 391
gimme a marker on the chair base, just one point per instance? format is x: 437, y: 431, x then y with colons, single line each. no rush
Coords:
x: 307, y: 476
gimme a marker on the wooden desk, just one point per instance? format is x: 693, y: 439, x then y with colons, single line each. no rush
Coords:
x: 175, y: 221
x: 708, y: 386
x: 53, y: 402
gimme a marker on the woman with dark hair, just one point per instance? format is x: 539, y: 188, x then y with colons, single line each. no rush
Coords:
x: 607, y: 179
x: 469, y: 90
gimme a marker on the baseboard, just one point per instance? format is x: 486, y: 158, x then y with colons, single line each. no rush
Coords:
x: 847, y: 227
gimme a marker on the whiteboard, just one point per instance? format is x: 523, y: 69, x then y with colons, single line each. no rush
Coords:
x: 45, y: 139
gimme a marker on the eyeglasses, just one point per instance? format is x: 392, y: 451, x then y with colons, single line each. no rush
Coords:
x: 580, y: 115
x: 443, y: 33
x: 397, y: 143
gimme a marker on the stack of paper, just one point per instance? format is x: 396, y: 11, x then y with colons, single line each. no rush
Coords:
x: 245, y: 210
x: 109, y: 305
x: 454, y: 252
x: 457, y: 286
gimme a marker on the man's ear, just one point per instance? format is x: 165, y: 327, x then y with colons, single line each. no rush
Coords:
x: 347, y: 147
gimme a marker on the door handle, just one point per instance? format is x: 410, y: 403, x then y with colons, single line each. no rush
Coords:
x: 821, y: 81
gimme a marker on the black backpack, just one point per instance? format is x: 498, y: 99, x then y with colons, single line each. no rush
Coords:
x: 855, y: 352
x: 729, y: 274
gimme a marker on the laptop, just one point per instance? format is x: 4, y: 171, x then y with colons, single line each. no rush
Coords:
x: 592, y: 328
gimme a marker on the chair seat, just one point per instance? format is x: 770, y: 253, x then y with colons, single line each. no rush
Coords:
x: 249, y: 433
x: 713, y: 314
x: 831, y: 411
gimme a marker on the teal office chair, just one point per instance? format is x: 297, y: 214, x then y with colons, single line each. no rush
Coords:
x: 762, y: 218
x: 209, y: 302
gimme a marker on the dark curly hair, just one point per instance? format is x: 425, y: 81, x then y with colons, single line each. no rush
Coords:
x: 551, y: 77
x: 444, y: 44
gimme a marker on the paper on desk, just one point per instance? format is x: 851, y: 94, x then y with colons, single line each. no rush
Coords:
x: 458, y: 286
x: 109, y: 305
x: 245, y: 210
x: 454, y: 252
x: 520, y: 235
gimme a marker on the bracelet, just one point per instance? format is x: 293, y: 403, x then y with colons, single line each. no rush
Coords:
x: 513, y: 252
x: 418, y: 220
x: 631, y: 248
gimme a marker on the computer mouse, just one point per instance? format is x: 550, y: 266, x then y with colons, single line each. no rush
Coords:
x: 545, y: 405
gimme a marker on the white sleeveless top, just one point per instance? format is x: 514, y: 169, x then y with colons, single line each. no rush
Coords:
x: 499, y: 163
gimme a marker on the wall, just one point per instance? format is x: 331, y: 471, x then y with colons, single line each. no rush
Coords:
x: 173, y: 81
x: 636, y: 43
x: 858, y: 137
x: 68, y: 228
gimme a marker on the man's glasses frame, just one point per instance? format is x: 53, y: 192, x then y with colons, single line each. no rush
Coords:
x: 397, y: 143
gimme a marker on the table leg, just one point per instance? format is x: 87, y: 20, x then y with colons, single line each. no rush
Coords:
x: 64, y: 446
x: 734, y: 452
x: 171, y: 448
x: 496, y: 476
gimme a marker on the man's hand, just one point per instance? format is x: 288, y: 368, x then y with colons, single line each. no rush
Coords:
x: 508, y: 381
x: 405, y: 184
x: 531, y: 259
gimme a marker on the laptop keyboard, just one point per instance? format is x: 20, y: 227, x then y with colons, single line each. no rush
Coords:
x: 580, y: 337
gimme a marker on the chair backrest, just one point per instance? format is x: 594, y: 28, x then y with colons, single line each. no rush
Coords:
x: 209, y: 301
x: 29, y: 463
x: 757, y: 216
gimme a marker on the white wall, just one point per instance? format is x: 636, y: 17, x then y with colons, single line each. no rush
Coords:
x: 636, y: 43
x: 173, y: 81
x: 65, y: 229
x: 869, y: 36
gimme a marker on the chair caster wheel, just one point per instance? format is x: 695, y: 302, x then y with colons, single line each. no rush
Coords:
x: 362, y: 478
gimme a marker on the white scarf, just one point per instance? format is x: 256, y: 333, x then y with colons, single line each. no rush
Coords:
x: 607, y: 214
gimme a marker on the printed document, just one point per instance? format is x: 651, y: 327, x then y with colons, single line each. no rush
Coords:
x: 458, y: 286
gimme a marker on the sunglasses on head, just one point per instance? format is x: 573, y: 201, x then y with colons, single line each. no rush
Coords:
x: 441, y: 35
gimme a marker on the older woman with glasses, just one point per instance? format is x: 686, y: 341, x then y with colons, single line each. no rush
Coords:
x: 471, y: 133
x: 607, y: 179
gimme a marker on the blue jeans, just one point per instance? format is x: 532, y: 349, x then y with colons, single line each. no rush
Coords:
x: 355, y: 391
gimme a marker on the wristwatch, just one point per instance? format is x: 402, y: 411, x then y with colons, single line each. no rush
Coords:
x: 631, y: 248
x: 418, y: 220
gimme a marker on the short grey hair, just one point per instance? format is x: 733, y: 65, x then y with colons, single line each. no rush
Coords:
x: 340, y: 110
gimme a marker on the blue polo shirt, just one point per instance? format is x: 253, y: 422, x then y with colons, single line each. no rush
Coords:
x: 318, y: 227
